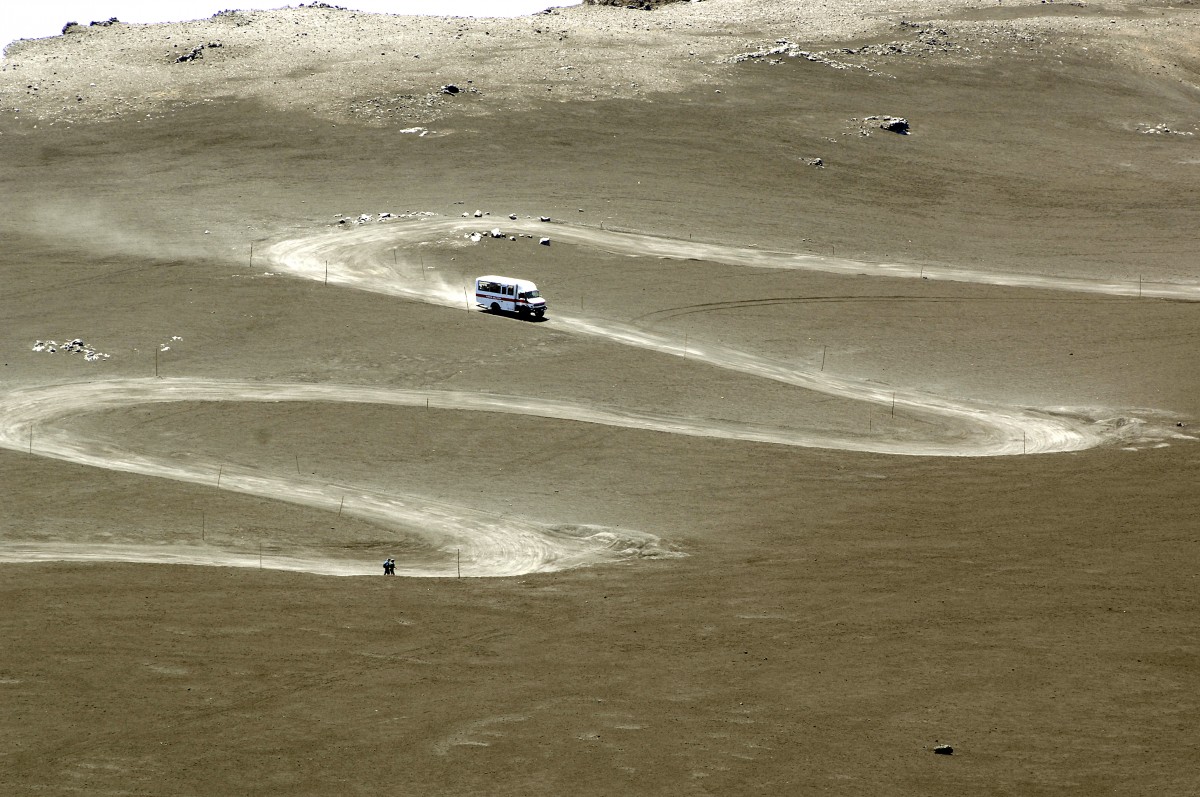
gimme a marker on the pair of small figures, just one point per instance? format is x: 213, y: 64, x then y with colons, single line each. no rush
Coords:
x: 389, y: 567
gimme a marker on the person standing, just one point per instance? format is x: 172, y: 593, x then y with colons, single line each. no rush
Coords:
x: 389, y: 567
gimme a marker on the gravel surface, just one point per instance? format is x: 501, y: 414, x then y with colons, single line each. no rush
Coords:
x: 391, y: 69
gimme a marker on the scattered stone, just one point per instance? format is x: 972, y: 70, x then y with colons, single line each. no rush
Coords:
x: 816, y: 162
x: 543, y: 218
x: 479, y: 214
x: 450, y: 88
x: 106, y: 23
x: 512, y: 216
x: 544, y: 241
x: 496, y: 233
x: 944, y: 749
x: 475, y: 237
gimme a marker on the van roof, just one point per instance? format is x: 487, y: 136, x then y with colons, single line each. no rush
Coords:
x: 525, y: 284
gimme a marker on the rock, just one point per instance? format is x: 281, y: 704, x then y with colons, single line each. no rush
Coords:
x: 817, y: 162
x: 893, y: 124
x: 475, y: 237
x: 944, y: 749
x: 450, y: 88
x: 497, y: 234
x: 543, y: 218
x: 512, y: 216
x: 544, y: 241
x: 479, y: 214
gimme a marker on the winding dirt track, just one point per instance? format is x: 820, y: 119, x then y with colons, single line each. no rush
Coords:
x: 495, y: 545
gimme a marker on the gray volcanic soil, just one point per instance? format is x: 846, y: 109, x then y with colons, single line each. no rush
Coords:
x: 835, y: 614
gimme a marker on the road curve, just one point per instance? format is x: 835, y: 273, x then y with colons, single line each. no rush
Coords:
x: 378, y: 258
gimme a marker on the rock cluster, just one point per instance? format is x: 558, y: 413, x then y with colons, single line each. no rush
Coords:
x: 640, y: 5
x: 196, y: 53
x: 929, y: 40
x: 1163, y: 130
x: 366, y: 218
x: 76, y: 346
x: 75, y: 27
